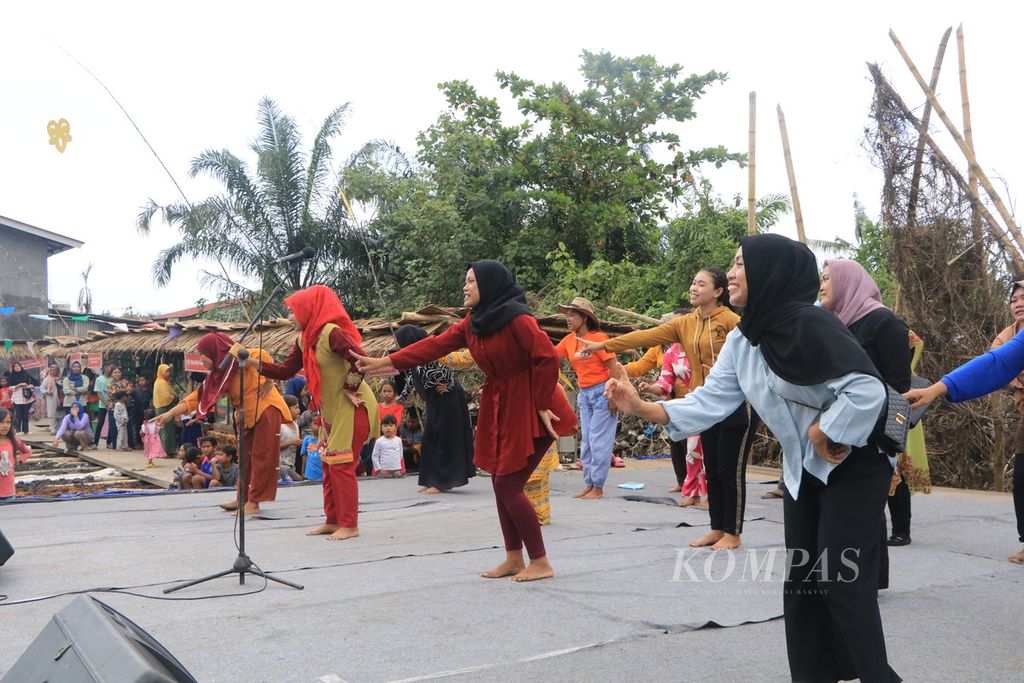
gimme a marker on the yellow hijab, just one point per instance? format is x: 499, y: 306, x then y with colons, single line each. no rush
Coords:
x: 163, y: 394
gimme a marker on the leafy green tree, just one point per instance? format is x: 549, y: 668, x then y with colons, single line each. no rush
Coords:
x: 287, y: 202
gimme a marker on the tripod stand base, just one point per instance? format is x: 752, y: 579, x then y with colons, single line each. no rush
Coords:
x: 242, y: 566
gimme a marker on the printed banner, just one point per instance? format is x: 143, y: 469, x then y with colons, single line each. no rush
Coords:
x: 30, y: 363
x: 92, y: 360
x: 194, y: 363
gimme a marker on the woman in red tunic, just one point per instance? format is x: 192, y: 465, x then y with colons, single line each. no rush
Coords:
x: 520, y: 404
x: 348, y: 409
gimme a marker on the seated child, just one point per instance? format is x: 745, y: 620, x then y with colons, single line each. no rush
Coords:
x: 208, y: 447
x: 192, y: 477
x: 290, y: 442
x: 387, y: 450
x: 225, y: 467
x: 12, y: 451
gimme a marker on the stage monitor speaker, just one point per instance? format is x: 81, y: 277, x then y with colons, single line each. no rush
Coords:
x: 6, y: 549
x: 88, y: 641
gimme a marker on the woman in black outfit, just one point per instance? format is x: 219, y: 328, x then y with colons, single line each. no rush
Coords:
x: 446, y: 456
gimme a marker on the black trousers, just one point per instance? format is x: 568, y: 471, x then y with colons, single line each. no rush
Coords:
x: 21, y: 412
x: 1018, y: 493
x: 726, y: 450
x: 678, y: 450
x: 101, y: 417
x: 899, y: 509
x: 833, y: 626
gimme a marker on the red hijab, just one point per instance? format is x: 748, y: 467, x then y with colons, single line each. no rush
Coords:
x: 215, y: 346
x: 315, y: 307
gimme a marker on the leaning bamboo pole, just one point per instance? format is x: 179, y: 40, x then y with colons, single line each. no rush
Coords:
x: 797, y: 213
x: 990, y: 190
x: 1012, y: 251
x: 626, y: 313
x: 751, y: 156
x: 915, y: 179
x: 965, y: 101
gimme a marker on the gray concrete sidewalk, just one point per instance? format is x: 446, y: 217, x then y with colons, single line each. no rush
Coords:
x: 404, y: 602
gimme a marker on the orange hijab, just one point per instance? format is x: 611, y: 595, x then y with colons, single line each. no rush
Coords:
x: 315, y: 307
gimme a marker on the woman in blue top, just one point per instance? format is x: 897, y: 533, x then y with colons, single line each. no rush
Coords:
x: 983, y: 375
x: 820, y: 395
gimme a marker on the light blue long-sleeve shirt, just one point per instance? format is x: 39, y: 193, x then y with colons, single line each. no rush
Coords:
x: 988, y: 372
x: 853, y: 402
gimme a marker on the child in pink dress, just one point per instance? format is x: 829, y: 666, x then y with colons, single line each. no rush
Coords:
x: 12, y: 451
x: 151, y: 444
x: 676, y: 366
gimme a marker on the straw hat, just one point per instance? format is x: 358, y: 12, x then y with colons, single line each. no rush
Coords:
x: 581, y: 305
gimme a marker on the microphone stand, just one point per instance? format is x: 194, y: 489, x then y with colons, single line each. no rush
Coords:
x: 242, y: 565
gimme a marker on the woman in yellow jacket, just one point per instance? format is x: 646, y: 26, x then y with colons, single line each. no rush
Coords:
x: 701, y: 335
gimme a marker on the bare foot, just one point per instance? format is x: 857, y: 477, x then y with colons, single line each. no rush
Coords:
x: 510, y: 567
x: 675, y: 489
x: 249, y: 510
x: 1018, y: 558
x: 584, y: 492
x: 727, y: 542
x: 710, y: 538
x: 343, y: 533
x: 704, y: 505
x: 230, y: 507
x: 687, y: 502
x: 538, y: 569
x: 423, y: 489
x: 432, y: 489
x: 323, y: 530
x: 595, y: 493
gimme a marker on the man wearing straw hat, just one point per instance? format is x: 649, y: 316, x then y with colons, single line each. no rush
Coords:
x: 597, y: 422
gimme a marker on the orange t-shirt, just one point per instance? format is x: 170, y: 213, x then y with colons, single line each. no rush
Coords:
x: 589, y: 371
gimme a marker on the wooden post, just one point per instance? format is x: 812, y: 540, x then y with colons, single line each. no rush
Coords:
x: 751, y: 156
x: 971, y: 160
x: 1012, y: 251
x: 792, y: 178
x: 915, y: 179
x: 965, y: 102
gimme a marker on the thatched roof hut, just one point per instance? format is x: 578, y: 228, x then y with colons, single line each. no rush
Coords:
x: 276, y: 336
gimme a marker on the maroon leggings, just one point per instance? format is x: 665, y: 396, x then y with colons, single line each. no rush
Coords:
x: 518, y: 519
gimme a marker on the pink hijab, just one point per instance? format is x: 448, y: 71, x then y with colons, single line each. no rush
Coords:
x: 854, y: 293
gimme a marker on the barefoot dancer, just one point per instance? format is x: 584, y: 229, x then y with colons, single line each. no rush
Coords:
x: 327, y: 350
x: 519, y: 402
x: 726, y: 445
x: 265, y: 410
x: 597, y: 422
x: 821, y: 396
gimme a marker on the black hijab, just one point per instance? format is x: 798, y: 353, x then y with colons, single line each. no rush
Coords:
x: 501, y: 298
x: 802, y: 343
x: 409, y: 334
x: 19, y: 376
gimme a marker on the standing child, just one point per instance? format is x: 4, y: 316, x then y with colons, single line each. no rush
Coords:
x: 290, y: 442
x: 12, y: 450
x: 387, y: 404
x: 121, y: 419
x: 312, y: 470
x: 597, y: 422
x: 151, y: 445
x: 387, y: 450
x: 6, y: 395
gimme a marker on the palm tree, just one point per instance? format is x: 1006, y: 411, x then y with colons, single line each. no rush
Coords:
x: 289, y: 201
x: 85, y: 294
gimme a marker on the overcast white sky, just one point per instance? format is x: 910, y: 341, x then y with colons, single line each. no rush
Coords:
x: 191, y: 74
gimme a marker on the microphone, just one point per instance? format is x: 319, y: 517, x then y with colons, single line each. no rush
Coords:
x: 305, y: 253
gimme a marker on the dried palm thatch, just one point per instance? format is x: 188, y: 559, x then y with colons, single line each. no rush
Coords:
x: 952, y: 271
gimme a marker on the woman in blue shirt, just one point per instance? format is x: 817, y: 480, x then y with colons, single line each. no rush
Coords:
x: 820, y: 395
x: 987, y: 373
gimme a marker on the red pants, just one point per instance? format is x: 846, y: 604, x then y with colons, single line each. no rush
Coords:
x: 263, y: 450
x: 518, y: 519
x: 341, y: 492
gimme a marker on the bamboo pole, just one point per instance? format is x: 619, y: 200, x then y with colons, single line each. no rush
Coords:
x: 965, y: 101
x: 915, y: 179
x: 632, y: 314
x: 797, y: 213
x: 965, y: 187
x: 971, y: 160
x: 751, y: 156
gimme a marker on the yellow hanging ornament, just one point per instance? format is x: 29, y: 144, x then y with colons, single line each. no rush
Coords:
x: 60, y: 134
